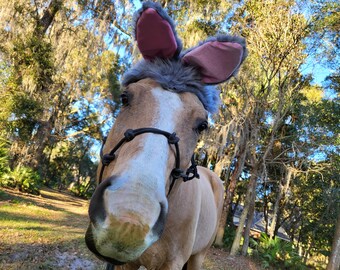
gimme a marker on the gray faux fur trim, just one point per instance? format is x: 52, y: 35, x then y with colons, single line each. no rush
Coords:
x: 165, y: 16
x: 223, y: 38
x: 174, y: 76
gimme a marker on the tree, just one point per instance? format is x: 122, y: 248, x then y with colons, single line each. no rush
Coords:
x: 334, y: 260
x: 56, y: 71
x: 268, y: 81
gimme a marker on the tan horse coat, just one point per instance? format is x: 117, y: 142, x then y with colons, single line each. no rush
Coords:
x: 190, y: 229
x: 194, y: 207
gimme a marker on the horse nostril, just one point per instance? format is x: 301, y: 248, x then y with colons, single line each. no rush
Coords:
x: 96, y: 208
x: 159, y: 225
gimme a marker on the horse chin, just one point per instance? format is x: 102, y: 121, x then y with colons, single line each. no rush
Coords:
x: 119, y: 246
x: 92, y: 247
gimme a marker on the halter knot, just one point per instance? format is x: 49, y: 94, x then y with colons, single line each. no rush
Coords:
x: 173, y: 139
x: 129, y: 135
x: 107, y: 158
x: 191, y: 173
x: 177, y: 173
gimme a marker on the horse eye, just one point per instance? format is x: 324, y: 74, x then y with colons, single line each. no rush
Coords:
x: 203, y: 126
x: 124, y: 99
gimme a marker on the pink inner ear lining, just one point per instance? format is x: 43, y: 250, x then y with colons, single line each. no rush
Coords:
x: 217, y: 60
x: 155, y: 37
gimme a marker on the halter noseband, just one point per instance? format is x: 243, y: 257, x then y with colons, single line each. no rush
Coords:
x: 130, y: 134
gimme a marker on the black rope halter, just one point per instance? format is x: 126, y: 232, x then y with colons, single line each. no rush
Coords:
x: 130, y: 134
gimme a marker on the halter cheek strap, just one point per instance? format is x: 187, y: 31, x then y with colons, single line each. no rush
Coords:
x: 130, y: 134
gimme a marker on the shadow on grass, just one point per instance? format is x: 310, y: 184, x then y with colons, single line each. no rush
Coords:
x: 63, y: 255
x: 9, y: 196
x: 69, y: 219
x: 13, y: 198
x: 33, y: 228
x: 65, y: 195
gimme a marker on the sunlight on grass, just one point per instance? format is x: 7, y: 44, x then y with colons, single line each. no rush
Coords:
x: 34, y: 224
x: 35, y: 230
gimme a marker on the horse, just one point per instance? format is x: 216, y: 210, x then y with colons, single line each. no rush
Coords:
x: 153, y: 206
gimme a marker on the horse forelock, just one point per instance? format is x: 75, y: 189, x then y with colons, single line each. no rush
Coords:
x: 174, y: 76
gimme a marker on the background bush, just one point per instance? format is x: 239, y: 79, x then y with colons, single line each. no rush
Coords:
x: 23, y: 178
x: 4, y: 157
x: 277, y: 253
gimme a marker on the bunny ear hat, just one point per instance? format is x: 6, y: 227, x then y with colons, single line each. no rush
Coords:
x: 213, y: 61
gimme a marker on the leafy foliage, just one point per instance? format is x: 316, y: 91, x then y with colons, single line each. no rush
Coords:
x: 277, y: 253
x: 83, y: 188
x: 71, y: 166
x: 4, y: 157
x: 229, y: 235
x: 22, y: 178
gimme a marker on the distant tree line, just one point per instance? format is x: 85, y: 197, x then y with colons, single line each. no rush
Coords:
x: 274, y: 141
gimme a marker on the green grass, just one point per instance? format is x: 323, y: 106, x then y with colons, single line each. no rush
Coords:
x: 47, y: 232
x: 35, y: 230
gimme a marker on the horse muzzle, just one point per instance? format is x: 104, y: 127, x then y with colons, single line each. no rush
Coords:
x: 120, y: 231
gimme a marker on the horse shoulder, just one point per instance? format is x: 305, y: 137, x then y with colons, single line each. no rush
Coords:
x: 216, y: 186
x: 211, y: 189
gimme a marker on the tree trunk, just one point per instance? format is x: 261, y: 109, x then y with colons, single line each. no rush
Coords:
x: 308, y: 250
x: 41, y: 140
x: 88, y: 185
x: 251, y: 189
x: 334, y: 259
x: 48, y: 17
x: 220, y: 165
x: 42, y: 136
x: 222, y: 224
x: 283, y: 189
x: 229, y: 195
x: 265, y: 207
x: 250, y: 218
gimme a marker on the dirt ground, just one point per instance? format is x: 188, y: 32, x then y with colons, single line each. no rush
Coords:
x: 47, y: 232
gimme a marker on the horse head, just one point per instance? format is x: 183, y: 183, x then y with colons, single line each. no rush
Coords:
x: 165, y: 103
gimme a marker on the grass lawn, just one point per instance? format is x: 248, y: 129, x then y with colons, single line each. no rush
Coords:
x: 43, y: 232
x: 47, y: 232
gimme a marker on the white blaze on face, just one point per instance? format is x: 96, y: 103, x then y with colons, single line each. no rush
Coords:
x: 148, y: 166
x: 142, y: 179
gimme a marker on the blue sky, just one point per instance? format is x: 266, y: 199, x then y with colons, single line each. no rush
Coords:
x: 318, y: 71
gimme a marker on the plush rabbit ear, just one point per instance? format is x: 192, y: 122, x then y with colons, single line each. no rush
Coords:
x: 155, y: 33
x: 217, y: 58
